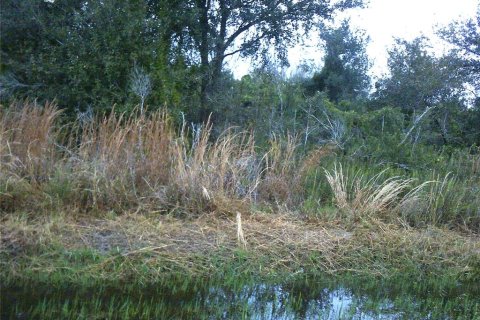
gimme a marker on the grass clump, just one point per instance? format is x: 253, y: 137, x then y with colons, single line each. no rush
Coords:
x: 361, y: 197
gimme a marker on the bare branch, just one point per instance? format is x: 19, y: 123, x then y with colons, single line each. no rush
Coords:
x: 416, y: 121
x: 140, y: 84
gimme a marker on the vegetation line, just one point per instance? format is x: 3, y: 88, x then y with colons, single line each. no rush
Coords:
x: 180, y: 200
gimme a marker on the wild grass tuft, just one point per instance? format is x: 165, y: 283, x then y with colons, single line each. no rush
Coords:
x: 445, y: 200
x: 27, y: 139
x: 360, y: 196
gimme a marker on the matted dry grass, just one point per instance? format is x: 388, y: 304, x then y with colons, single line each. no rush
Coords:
x: 275, y: 243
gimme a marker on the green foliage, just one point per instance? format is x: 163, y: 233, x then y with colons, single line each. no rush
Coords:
x: 82, y: 53
x: 213, y: 31
x: 82, y: 58
x: 465, y: 37
x: 344, y: 73
x: 418, y: 79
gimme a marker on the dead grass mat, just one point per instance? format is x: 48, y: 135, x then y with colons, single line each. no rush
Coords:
x: 277, y: 242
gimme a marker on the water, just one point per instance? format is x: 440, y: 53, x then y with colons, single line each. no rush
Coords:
x: 188, y: 300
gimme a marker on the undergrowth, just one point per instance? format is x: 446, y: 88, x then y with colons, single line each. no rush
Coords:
x: 146, y: 163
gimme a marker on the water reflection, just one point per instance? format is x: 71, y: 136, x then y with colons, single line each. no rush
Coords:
x: 257, y: 301
x: 263, y: 302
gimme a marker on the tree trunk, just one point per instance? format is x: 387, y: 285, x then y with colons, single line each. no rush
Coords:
x: 211, y: 69
x: 204, y: 112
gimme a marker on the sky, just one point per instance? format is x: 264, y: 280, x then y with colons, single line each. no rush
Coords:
x: 383, y: 20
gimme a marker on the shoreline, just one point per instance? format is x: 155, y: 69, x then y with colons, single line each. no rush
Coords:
x: 147, y: 248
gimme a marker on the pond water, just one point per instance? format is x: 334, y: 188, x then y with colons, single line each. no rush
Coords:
x: 188, y: 300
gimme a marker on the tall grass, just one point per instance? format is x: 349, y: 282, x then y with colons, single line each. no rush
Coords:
x: 122, y: 161
x: 145, y: 162
x: 360, y: 196
x: 27, y: 139
x: 118, y: 162
x: 278, y: 183
x: 446, y: 199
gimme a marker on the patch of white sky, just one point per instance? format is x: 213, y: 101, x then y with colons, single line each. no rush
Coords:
x: 383, y: 21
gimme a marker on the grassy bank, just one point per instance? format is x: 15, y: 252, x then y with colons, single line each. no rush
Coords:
x: 122, y: 199
x: 72, y: 265
x: 147, y: 248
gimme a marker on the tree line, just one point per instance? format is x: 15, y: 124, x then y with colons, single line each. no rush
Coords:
x: 92, y: 55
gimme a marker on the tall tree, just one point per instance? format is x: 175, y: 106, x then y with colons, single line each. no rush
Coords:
x: 465, y: 37
x: 417, y: 79
x: 217, y: 29
x: 428, y: 90
x: 344, y: 75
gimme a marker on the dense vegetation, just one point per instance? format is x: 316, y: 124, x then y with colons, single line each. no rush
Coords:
x: 144, y: 162
x: 138, y: 200
x: 92, y: 56
x: 421, y: 122
x: 130, y: 153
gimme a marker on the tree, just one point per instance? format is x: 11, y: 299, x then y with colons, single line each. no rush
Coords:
x: 465, y: 37
x: 429, y: 90
x: 32, y: 31
x: 140, y: 85
x: 344, y: 74
x: 78, y: 52
x: 105, y: 40
x: 216, y: 29
x: 417, y: 79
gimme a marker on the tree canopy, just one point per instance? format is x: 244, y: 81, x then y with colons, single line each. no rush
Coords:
x: 82, y: 52
x: 151, y: 53
x: 417, y: 79
x: 345, y: 71
x: 216, y: 29
x: 465, y: 37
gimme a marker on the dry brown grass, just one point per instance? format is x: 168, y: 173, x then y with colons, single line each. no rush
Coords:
x: 123, y: 161
x: 362, y: 197
x: 27, y: 139
x: 28, y: 152
x: 205, y: 172
x: 279, y: 243
x: 117, y: 162
x: 281, y: 183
